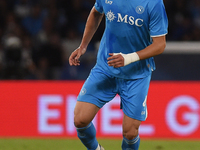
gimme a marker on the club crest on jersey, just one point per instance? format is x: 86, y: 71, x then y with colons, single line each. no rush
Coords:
x: 108, y: 2
x: 139, y: 9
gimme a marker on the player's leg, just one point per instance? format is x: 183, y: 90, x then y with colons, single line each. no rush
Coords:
x: 83, y: 115
x: 133, y: 95
x: 97, y: 90
x: 131, y: 137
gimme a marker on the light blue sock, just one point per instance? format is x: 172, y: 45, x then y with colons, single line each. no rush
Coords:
x: 87, y: 135
x: 131, y: 144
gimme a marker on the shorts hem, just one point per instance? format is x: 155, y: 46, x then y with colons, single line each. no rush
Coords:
x: 133, y: 117
x: 91, y: 103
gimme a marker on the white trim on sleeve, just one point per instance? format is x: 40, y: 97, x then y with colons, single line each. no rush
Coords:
x: 158, y: 35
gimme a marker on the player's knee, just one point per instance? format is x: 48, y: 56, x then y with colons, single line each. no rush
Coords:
x: 130, y: 134
x: 80, y: 122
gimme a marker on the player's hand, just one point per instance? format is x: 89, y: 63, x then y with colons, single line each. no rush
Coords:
x: 115, y: 60
x: 75, y: 56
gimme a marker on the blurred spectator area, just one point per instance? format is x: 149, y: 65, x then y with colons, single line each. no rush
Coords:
x: 180, y: 61
x: 38, y: 36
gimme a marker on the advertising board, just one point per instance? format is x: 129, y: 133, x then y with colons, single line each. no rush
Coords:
x: 45, y: 109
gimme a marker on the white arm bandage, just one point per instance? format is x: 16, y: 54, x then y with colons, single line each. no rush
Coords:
x: 129, y: 58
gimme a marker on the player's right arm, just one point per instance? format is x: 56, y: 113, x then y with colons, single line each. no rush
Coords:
x: 92, y: 24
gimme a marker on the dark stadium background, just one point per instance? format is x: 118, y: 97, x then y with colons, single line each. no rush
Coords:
x: 37, y: 37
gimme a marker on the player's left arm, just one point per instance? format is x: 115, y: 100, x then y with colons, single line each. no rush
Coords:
x: 157, y: 47
x: 157, y: 26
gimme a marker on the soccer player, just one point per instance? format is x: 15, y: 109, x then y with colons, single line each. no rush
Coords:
x: 135, y: 32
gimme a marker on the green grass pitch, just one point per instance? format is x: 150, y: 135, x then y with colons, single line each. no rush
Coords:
x: 108, y: 144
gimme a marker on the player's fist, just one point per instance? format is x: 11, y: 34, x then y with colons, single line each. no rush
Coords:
x: 116, y: 60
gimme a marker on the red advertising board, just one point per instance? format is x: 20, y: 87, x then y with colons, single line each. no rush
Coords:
x: 45, y: 109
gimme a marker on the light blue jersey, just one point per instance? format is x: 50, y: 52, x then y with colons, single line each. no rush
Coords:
x: 130, y: 26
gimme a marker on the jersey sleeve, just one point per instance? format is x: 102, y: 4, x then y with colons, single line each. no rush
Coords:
x: 98, y: 6
x: 158, y: 19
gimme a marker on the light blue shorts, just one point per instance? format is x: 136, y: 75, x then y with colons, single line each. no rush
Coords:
x: 100, y: 88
